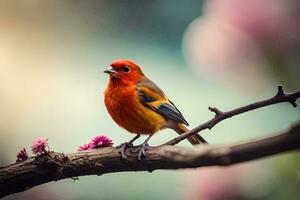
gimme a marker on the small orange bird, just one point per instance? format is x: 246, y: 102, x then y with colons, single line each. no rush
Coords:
x: 140, y: 106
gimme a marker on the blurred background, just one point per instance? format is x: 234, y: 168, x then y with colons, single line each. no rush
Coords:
x: 223, y: 53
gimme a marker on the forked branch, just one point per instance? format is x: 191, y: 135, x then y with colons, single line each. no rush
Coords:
x: 280, y: 96
x: 55, y: 166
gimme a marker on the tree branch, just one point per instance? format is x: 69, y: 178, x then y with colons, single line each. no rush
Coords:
x: 280, y: 96
x: 54, y: 166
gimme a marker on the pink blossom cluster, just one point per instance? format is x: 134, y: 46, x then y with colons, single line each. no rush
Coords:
x: 99, y: 141
x: 22, y: 155
x: 38, y: 146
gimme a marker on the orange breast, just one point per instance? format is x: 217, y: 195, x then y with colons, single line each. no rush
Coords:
x: 127, y: 111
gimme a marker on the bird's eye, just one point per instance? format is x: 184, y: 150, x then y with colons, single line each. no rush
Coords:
x: 126, y: 69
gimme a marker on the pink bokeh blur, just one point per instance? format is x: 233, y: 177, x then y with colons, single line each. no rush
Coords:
x: 237, y: 41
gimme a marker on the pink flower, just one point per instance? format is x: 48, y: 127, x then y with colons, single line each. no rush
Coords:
x: 39, y: 145
x: 100, y: 141
x: 22, y: 155
x: 84, y: 147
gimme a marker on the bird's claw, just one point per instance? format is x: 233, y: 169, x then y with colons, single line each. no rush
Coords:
x: 122, y: 148
x: 141, y: 150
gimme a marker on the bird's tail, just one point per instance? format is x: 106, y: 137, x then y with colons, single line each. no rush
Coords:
x: 194, y: 139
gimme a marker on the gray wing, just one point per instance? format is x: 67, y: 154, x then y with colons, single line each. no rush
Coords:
x: 153, y: 97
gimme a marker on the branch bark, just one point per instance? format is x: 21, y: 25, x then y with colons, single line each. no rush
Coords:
x: 54, y: 166
x: 280, y: 97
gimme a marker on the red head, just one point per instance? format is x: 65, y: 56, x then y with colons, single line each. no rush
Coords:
x: 125, y: 71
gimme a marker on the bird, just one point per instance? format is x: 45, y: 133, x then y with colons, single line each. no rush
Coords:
x: 138, y: 105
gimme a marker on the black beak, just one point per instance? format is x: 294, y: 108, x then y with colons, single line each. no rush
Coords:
x: 110, y: 71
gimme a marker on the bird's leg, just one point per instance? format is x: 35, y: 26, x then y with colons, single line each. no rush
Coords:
x: 141, y: 149
x: 122, y: 147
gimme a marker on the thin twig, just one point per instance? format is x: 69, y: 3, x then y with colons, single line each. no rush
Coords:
x: 54, y: 166
x: 280, y: 96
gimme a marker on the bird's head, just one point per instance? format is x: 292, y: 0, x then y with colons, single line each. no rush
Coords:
x: 125, y: 71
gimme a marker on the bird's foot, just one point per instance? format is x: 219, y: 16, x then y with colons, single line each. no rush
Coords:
x: 122, y: 148
x: 141, y: 150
